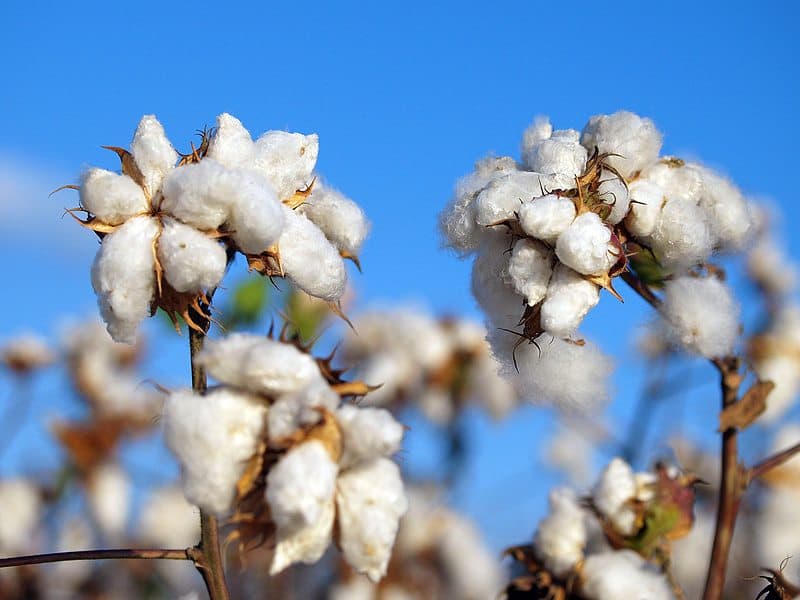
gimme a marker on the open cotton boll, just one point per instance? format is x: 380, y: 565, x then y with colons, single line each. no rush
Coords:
x: 191, y: 260
x: 770, y: 268
x: 569, y: 298
x: 200, y: 194
x: 488, y: 389
x: 572, y: 377
x: 729, y: 213
x: 492, y: 286
x: 109, y: 499
x: 419, y: 336
x: 340, y: 219
x: 389, y: 370
x: 123, y: 277
x: 472, y: 569
x: 256, y: 216
x: 635, y: 139
x: 258, y: 364
x: 286, y: 160
x: 647, y: 199
x: 370, y: 502
x: 502, y: 197
x: 153, y: 153
x: 613, y: 191
x: 213, y: 437
x: 231, y: 144
x: 539, y: 130
x: 309, y: 260
x: 300, y: 493
x: 20, y: 504
x: 682, y: 237
x: 702, y: 314
x: 530, y: 268
x: 784, y: 371
x: 620, y: 574
x: 546, y: 217
x: 296, y: 410
x: 676, y: 178
x: 585, y: 246
x: 613, y: 493
x: 367, y: 433
x: 562, y: 153
x: 561, y: 535
x: 111, y: 197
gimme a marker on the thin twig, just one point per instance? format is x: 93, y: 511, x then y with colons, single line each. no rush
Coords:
x: 117, y: 553
x: 769, y: 463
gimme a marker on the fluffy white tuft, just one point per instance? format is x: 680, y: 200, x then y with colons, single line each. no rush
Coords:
x: 153, y: 153
x: 530, y: 268
x: 340, y: 219
x: 561, y: 535
x: 111, y: 197
x: 192, y: 261
x: 569, y: 298
x: 367, y: 433
x: 613, y: 575
x: 635, y: 139
x: 585, y: 246
x: 546, y: 217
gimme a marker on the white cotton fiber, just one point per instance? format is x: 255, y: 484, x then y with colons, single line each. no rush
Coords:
x: 256, y: 215
x: 231, y: 144
x: 613, y: 494
x: 561, y: 535
x: 546, y: 217
x: 539, y: 130
x: 502, y: 197
x: 493, y: 287
x: 110, y: 197
x: 153, y: 153
x: 682, y: 236
x: 613, y: 575
x: 309, y: 260
x: 20, y: 505
x: 109, y: 496
x: 530, y: 268
x: 213, y: 436
x: 370, y: 501
x: 562, y: 153
x: 645, y: 207
x: 340, y: 219
x: 123, y: 277
x: 676, y: 178
x: 729, y: 214
x: 613, y: 191
x: 569, y: 298
x: 634, y: 138
x: 702, y: 314
x: 300, y: 493
x: 192, y: 261
x: 200, y: 194
x: 367, y: 433
x: 291, y: 412
x: 585, y: 246
x: 287, y: 160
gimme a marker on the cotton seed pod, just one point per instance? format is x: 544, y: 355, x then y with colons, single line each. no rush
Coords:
x: 546, y: 217
x: 340, y: 219
x: 647, y: 199
x: 561, y: 153
x: 635, y: 139
x: 153, y: 153
x: 586, y: 246
x: 287, y: 160
x: 530, y: 268
x: 192, y: 261
x: 614, y: 193
x: 257, y: 217
x: 561, y: 535
x: 569, y: 299
x: 112, y: 198
x: 682, y: 236
x: 231, y: 144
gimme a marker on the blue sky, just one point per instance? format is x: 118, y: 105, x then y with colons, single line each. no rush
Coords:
x: 405, y: 98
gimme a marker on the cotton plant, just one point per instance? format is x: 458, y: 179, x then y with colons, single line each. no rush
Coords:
x: 170, y: 223
x: 615, y: 543
x: 438, y: 365
x: 439, y: 554
x: 26, y: 353
x: 578, y: 210
x: 274, y: 448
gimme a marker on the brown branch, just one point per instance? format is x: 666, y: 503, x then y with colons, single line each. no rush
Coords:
x: 119, y: 553
x: 769, y: 463
x: 206, y: 554
x: 641, y: 288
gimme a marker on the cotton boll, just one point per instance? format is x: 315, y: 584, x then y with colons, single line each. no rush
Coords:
x: 614, y: 193
x: 153, y: 153
x: 300, y: 493
x: 286, y: 160
x: 647, y: 198
x: 561, y: 535
x: 191, y: 260
x: 258, y: 364
x: 111, y: 197
x: 770, y: 268
x: 702, y: 314
x: 340, y: 219
x: 546, y: 217
x: 200, y: 194
x: 682, y: 236
x: 472, y: 569
x: 457, y: 221
x: 530, y: 268
x: 488, y: 389
x: 502, y: 197
x: 357, y: 588
x: 622, y: 574
x: 213, y: 437
x: 729, y: 213
x: 569, y: 298
x: 231, y: 144
x: 561, y: 153
x: 635, y: 139
x: 613, y: 493
x: 20, y: 505
x: 168, y: 520
x: 784, y: 372
x: 123, y: 277
x: 370, y: 502
x: 388, y: 370
x: 109, y: 499
x: 574, y: 378
x: 539, y: 130
x: 585, y: 246
x: 296, y: 410
x: 309, y: 260
x: 367, y: 433
x: 676, y: 178
x: 257, y: 216
x: 493, y: 288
